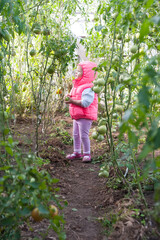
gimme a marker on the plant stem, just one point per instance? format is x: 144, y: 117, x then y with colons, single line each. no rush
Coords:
x: 137, y: 179
x: 106, y: 105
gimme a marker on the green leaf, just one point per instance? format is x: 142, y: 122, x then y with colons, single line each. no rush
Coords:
x: 43, y: 186
x: 156, y: 140
x: 16, y: 88
x: 144, y: 29
x: 152, y: 142
x: 104, y: 31
x: 10, y: 139
x: 149, y: 3
x: 156, y: 20
x: 42, y: 209
x: 146, y: 149
x: 103, y: 64
x: 118, y: 18
x: 25, y: 212
x: 62, y: 235
x: 74, y: 209
x: 158, y: 162
x: 143, y: 97
x: 157, y: 192
x: 17, y: 234
x: 6, y: 131
x: 9, y: 151
x: 129, y: 165
x: 98, y: 28
x: 127, y: 115
x: 34, y: 184
x: 150, y: 71
x: 8, y: 221
x: 4, y: 168
x: 132, y: 138
x: 55, y: 180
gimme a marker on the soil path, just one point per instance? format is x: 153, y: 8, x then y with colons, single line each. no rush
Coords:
x: 91, y: 199
x: 82, y: 184
x: 79, y: 185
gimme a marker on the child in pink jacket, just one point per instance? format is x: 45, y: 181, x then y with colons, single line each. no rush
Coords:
x: 83, y: 108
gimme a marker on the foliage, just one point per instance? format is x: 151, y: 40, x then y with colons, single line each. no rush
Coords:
x: 35, y: 54
x: 33, y: 38
x: 22, y: 188
x: 65, y: 136
x: 36, y: 51
x: 125, y: 40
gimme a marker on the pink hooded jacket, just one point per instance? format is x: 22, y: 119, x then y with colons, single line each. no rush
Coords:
x: 79, y: 86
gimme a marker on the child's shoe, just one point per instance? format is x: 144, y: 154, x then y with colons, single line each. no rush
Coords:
x: 74, y: 155
x: 86, y: 158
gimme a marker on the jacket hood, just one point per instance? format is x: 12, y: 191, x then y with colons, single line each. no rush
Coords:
x: 88, y: 74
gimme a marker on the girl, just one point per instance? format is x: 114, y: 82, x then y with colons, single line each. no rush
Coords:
x: 83, y: 108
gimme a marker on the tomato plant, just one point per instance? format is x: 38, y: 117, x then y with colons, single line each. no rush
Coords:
x: 29, y: 44
x: 26, y: 192
x: 122, y: 38
x: 37, y: 49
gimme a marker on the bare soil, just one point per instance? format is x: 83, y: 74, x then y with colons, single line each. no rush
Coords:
x: 97, y: 210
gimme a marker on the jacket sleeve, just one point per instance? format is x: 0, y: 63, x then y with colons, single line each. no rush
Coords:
x: 87, y: 97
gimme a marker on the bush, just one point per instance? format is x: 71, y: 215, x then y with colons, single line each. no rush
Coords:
x: 22, y: 188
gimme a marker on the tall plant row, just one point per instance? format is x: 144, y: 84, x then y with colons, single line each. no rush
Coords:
x: 36, y: 48
x: 36, y: 57
x: 125, y: 40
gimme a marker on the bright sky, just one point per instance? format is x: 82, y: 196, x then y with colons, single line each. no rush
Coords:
x: 78, y: 25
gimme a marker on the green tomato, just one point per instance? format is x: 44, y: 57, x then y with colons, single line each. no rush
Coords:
x: 111, y: 80
x: 24, y: 88
x: 102, y: 129
x: 94, y: 135
x: 96, y: 89
x: 32, y: 52
x: 127, y: 39
x: 36, y: 25
x: 37, y: 30
x: 119, y: 37
x: 115, y: 59
x: 102, y: 121
x: 104, y: 173
x: 6, y: 35
x: 95, y: 82
x: 115, y: 115
x: 67, y: 99
x: 100, y: 82
x: 16, y: 88
x: 46, y: 32
x: 100, y: 137
x: 50, y: 70
x: 134, y: 49
x: 96, y: 19
x: 119, y: 108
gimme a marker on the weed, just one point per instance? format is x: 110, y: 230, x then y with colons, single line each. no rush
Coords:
x: 108, y: 222
x: 40, y: 162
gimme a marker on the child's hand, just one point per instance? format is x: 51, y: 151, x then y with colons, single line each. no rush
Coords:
x: 67, y: 99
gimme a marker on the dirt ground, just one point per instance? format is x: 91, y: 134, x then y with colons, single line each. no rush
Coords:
x: 96, y: 210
